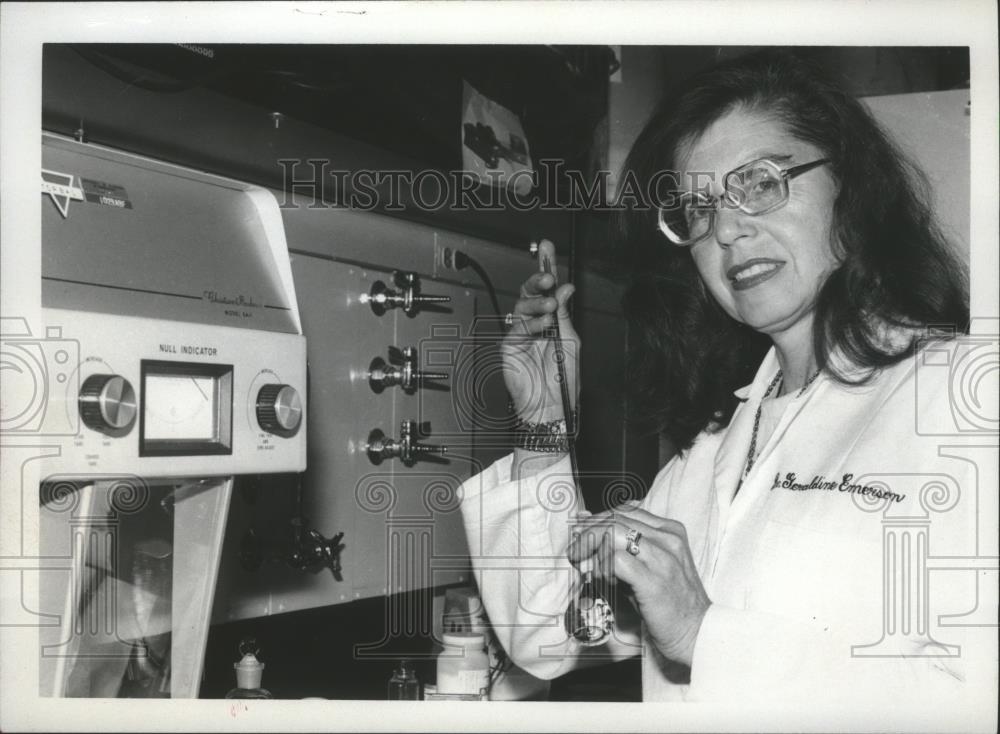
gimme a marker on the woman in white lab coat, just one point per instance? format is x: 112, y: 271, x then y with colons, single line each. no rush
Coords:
x: 779, y: 309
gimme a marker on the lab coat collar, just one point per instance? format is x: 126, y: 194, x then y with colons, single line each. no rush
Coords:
x: 731, y: 457
x: 765, y: 373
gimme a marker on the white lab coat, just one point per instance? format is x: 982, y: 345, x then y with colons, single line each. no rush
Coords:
x: 795, y: 566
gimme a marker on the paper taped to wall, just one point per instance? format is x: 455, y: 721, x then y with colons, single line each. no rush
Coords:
x: 494, y: 146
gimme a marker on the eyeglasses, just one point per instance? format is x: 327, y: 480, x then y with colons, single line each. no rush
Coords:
x: 755, y: 188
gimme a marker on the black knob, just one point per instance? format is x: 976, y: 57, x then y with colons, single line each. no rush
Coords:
x: 279, y: 409
x: 107, y: 404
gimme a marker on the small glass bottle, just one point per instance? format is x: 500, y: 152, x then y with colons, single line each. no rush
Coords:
x: 404, y: 684
x: 463, y: 666
x: 249, y: 672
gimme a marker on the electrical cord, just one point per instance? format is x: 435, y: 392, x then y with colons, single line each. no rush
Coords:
x: 502, y: 667
x: 463, y: 261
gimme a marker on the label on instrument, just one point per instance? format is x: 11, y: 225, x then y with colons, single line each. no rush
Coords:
x: 106, y: 194
x: 60, y: 188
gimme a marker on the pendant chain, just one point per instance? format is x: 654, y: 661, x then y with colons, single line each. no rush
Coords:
x: 751, y: 454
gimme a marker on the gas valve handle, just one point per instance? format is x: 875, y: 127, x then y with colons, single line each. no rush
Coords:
x: 418, y: 300
x: 412, y: 374
x: 380, y: 447
x: 330, y: 552
x: 382, y: 375
x: 408, y: 437
x: 420, y: 376
x: 382, y: 298
x: 423, y: 448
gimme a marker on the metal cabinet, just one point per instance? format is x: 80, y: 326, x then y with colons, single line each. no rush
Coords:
x: 401, y: 521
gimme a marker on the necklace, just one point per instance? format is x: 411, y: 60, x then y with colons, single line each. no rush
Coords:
x: 751, y: 454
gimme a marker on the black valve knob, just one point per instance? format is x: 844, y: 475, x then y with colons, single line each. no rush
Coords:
x: 380, y: 447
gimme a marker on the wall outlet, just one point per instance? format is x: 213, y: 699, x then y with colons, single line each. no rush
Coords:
x: 444, y: 259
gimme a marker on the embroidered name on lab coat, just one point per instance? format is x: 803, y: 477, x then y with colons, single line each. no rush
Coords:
x: 845, y: 484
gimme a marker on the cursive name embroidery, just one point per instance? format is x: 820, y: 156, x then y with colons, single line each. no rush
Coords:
x: 845, y: 484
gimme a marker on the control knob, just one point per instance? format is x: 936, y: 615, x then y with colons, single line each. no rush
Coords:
x: 279, y: 409
x: 107, y: 404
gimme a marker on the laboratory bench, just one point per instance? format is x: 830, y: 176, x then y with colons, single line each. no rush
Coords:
x: 311, y: 653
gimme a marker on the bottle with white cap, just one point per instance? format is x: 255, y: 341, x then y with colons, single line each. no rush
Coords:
x: 249, y: 672
x: 463, y: 665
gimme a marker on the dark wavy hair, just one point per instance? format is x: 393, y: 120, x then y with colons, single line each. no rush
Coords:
x: 686, y: 355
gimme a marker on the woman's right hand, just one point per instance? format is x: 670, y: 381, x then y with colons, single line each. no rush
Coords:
x: 529, y: 355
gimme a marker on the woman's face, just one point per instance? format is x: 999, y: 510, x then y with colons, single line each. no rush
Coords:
x: 764, y: 270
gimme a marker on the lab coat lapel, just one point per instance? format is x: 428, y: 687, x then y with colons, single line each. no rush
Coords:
x: 732, y: 455
x: 846, y: 412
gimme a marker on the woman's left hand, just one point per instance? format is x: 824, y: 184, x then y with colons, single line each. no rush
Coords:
x: 668, y: 591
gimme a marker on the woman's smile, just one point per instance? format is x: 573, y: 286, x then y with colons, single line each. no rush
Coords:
x: 753, y: 272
